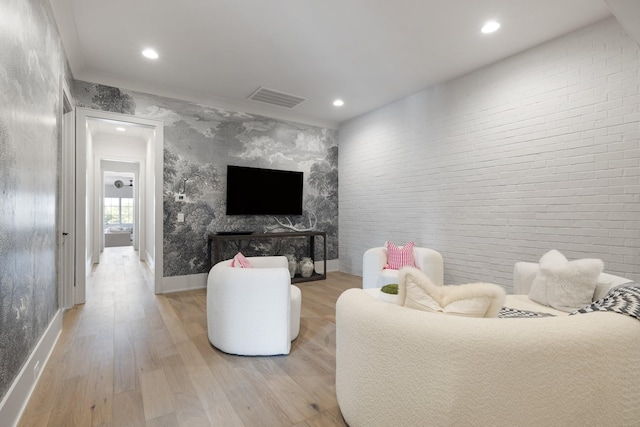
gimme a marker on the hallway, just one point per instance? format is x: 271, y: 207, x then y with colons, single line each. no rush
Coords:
x: 105, y: 351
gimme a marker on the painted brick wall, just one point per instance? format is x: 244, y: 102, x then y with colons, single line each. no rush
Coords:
x: 536, y: 152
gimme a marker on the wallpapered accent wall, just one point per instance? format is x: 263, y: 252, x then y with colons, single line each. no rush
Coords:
x: 31, y: 64
x: 200, y: 142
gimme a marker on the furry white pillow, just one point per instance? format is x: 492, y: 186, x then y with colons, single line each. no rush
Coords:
x: 415, y: 290
x: 565, y: 285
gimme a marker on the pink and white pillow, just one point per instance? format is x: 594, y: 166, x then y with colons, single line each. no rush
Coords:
x: 240, y: 261
x: 399, y: 256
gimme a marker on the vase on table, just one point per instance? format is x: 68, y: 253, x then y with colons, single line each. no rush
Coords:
x: 293, y: 264
x: 306, y: 267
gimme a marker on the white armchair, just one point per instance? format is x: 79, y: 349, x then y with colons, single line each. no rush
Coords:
x: 374, y: 275
x: 253, y: 311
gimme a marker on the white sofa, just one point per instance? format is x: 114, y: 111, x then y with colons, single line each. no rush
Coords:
x: 398, y: 366
x: 374, y: 275
x: 253, y: 311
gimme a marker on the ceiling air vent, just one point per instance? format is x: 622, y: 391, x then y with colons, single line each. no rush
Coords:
x: 274, y: 97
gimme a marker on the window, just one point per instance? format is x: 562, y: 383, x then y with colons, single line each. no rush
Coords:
x: 118, y: 210
x: 126, y: 211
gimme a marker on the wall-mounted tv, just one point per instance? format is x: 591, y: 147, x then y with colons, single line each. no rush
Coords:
x: 256, y: 191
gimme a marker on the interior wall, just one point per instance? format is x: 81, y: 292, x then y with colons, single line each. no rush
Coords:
x: 31, y: 71
x: 149, y: 234
x: 536, y: 152
x: 119, y: 147
x: 200, y: 141
x: 90, y: 204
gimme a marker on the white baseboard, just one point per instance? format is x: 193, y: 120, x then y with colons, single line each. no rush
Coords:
x: 184, y: 283
x: 17, y: 397
x: 199, y: 281
x: 150, y: 260
x: 332, y: 265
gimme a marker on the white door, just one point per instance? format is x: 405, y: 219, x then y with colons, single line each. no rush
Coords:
x: 66, y: 249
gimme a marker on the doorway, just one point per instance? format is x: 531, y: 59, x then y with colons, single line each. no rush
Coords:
x: 102, y: 140
x: 120, y: 207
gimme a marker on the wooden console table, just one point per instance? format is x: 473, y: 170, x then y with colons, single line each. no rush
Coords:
x: 214, y: 240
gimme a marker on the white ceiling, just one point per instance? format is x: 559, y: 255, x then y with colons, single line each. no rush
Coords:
x: 113, y: 127
x: 367, y: 52
x: 111, y: 177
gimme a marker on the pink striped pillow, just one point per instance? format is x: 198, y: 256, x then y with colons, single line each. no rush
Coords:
x: 398, y: 257
x: 240, y: 261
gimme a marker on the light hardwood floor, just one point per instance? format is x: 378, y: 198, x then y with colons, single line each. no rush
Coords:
x: 131, y: 358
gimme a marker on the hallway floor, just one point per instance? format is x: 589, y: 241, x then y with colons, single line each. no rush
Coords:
x: 131, y: 358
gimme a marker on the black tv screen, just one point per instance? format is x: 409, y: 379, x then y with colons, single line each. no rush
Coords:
x: 256, y: 191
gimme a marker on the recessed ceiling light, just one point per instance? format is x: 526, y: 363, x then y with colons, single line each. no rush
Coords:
x: 490, y: 27
x: 121, y: 129
x: 338, y: 102
x: 150, y: 53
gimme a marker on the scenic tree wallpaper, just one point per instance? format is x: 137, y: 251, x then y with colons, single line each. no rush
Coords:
x: 199, y: 143
x: 30, y: 70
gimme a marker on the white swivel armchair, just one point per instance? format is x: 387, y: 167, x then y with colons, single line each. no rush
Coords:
x: 374, y: 275
x: 253, y: 311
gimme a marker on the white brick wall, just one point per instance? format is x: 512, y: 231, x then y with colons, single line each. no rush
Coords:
x: 536, y: 152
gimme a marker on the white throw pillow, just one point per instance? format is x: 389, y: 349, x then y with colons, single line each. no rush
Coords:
x: 565, y: 285
x: 415, y: 290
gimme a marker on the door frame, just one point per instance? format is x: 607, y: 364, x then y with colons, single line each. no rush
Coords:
x: 85, y: 180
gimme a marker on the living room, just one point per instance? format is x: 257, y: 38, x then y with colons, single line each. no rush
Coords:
x: 536, y: 151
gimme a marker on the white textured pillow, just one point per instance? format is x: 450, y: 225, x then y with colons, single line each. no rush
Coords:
x: 415, y: 290
x: 565, y: 285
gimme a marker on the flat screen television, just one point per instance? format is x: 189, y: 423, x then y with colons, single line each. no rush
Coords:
x: 256, y: 191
